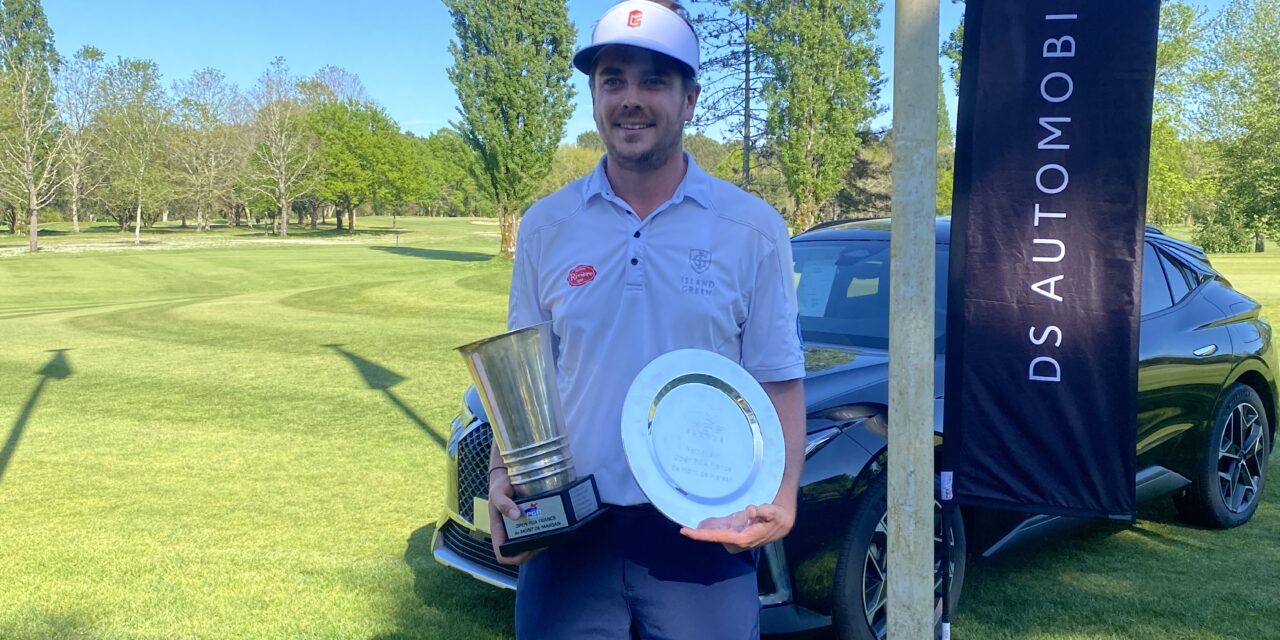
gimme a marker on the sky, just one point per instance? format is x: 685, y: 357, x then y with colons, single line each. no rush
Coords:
x: 398, y: 48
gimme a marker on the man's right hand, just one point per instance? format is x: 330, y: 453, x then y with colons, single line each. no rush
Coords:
x: 501, y: 502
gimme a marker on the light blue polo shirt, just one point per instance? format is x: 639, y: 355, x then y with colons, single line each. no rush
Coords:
x: 709, y: 269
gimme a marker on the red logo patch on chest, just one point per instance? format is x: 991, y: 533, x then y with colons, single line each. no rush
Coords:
x: 634, y: 18
x: 581, y: 275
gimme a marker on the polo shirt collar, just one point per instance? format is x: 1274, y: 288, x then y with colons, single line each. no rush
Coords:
x: 696, y: 184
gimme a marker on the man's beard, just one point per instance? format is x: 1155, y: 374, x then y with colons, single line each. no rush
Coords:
x: 657, y: 155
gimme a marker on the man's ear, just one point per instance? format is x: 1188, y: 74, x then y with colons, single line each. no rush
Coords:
x: 691, y: 101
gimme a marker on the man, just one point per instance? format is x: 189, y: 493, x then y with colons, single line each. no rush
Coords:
x: 646, y: 255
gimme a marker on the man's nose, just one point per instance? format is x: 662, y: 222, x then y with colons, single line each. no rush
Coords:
x: 631, y: 96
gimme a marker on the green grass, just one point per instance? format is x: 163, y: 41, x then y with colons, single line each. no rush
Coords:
x: 242, y: 440
x: 210, y: 467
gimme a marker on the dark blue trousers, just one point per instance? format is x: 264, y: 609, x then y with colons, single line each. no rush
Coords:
x: 630, y: 575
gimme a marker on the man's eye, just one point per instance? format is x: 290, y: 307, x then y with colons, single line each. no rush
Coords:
x: 612, y: 82
x: 656, y: 82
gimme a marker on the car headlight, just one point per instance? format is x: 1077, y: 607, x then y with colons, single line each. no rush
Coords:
x: 465, y: 417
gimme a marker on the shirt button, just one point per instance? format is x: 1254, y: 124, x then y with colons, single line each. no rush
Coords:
x: 635, y: 261
x: 637, y: 235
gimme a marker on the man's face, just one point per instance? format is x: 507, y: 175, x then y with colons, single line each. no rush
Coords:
x: 641, y: 103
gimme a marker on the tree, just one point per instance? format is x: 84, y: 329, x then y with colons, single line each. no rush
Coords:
x: 824, y: 87
x: 29, y: 145
x: 333, y: 84
x: 706, y: 151
x: 571, y: 162
x: 280, y: 165
x: 209, y: 143
x: 946, y: 154
x: 868, y: 185
x: 25, y: 31
x: 511, y: 74
x: 1242, y: 78
x: 79, y: 97
x: 29, y: 136
x: 732, y: 77
x: 449, y: 167
x: 363, y: 157
x: 946, y: 180
x: 327, y: 85
x: 952, y: 50
x: 590, y: 140
x: 135, y: 119
x: 767, y: 180
x: 1172, y: 182
x: 946, y: 137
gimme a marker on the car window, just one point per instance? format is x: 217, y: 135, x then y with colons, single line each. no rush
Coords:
x: 1155, y: 289
x: 842, y: 288
x: 1179, y: 285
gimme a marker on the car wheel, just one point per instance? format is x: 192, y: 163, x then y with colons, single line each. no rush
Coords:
x: 860, y: 591
x: 1234, y: 470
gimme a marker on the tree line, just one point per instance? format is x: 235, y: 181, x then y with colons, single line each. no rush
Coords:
x: 86, y: 138
x: 798, y: 84
x: 1215, y: 123
x: 795, y: 86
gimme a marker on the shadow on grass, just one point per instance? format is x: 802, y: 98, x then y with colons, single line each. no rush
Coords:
x: 97, y: 231
x: 436, y: 254
x: 382, y: 379
x: 110, y: 229
x: 296, y: 231
x: 56, y: 369
x: 40, y: 625
x: 447, y: 603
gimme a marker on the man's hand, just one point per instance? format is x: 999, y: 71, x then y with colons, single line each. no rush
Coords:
x: 749, y: 529
x: 501, y: 502
x: 757, y: 526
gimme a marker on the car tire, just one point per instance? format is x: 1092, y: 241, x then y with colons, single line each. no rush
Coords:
x: 1233, y: 472
x: 859, y: 584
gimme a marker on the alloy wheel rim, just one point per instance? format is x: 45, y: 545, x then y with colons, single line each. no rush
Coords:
x: 1240, y: 458
x: 875, y: 589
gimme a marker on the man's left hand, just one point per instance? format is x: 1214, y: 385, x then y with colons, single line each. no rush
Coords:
x: 751, y: 528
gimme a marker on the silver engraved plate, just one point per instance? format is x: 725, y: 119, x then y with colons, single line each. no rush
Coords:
x: 702, y: 437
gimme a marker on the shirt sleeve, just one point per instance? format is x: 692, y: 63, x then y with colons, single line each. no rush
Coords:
x: 771, y: 349
x: 524, y: 306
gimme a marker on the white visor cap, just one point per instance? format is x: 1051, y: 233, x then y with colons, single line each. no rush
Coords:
x: 644, y: 24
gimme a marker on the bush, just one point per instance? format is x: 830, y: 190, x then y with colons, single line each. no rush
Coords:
x: 49, y: 215
x: 1223, y: 231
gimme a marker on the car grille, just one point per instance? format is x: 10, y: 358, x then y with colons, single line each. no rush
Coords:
x: 456, y: 538
x: 473, y: 469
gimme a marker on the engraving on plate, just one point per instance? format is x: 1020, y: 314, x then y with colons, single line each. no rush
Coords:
x: 702, y: 442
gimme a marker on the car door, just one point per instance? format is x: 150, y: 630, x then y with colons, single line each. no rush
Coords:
x: 1184, y: 357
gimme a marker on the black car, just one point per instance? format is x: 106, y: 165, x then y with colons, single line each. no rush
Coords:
x: 1206, y: 421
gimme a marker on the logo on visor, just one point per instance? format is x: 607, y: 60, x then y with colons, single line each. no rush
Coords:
x: 581, y: 275
x: 634, y: 19
x: 700, y: 260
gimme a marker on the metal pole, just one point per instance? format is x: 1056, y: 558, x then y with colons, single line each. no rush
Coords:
x: 911, y: 332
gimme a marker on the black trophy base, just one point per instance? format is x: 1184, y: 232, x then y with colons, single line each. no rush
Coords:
x: 552, y: 517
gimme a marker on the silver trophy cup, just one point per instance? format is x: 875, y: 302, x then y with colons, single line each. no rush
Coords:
x: 515, y: 376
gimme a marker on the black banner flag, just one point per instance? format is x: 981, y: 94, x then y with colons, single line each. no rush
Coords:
x: 1046, y: 255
